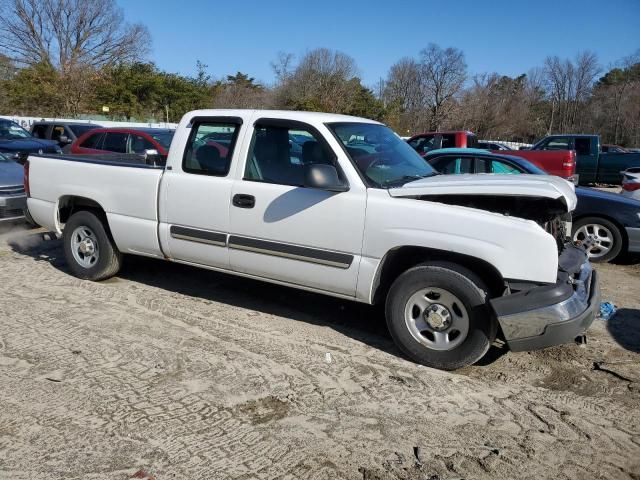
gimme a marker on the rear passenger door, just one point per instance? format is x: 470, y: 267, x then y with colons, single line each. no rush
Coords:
x: 194, y: 212
x: 287, y: 232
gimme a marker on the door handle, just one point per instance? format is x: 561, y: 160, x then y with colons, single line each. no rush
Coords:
x: 242, y: 200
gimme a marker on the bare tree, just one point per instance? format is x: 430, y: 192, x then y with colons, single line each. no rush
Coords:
x: 66, y: 33
x: 282, y: 66
x: 569, y: 84
x: 444, y: 72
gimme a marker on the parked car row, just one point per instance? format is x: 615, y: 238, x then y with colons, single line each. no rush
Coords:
x: 579, y: 157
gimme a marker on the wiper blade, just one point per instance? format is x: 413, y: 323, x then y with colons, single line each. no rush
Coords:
x: 406, y: 179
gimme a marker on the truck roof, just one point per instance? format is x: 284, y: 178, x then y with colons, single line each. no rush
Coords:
x: 283, y: 114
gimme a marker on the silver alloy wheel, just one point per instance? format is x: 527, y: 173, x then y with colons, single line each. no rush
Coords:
x: 84, y: 247
x: 436, y: 318
x: 601, y: 239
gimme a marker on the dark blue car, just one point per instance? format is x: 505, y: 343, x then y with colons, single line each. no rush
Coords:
x: 610, y: 221
x: 17, y: 143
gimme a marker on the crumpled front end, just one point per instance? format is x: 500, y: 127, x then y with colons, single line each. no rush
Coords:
x: 543, y: 316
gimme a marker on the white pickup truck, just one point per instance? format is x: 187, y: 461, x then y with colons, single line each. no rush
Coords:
x: 341, y: 206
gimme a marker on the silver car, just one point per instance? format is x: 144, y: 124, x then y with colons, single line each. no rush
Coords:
x: 13, y: 199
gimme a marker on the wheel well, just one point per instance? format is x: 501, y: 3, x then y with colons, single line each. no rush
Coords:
x: 623, y: 231
x: 70, y: 204
x: 399, y: 260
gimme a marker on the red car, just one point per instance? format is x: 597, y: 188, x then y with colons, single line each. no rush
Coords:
x: 123, y: 140
x: 557, y: 162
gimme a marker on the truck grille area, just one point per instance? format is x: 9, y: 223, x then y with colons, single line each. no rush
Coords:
x: 12, y: 190
x: 10, y: 212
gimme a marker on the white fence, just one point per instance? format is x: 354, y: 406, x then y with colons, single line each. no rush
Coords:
x: 26, y: 122
x: 514, y: 145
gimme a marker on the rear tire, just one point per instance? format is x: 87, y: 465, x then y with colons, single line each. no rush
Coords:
x: 438, y: 316
x: 89, y: 248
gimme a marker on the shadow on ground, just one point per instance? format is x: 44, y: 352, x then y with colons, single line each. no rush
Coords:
x: 624, y: 327
x: 363, y: 323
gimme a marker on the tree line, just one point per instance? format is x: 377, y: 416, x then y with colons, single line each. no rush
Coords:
x: 72, y: 57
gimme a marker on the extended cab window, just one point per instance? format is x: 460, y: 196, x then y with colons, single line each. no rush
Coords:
x: 583, y: 146
x: 278, y: 154
x: 210, y: 148
x: 448, y: 140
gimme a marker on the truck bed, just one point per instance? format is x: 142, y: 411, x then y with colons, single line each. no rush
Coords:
x: 130, y: 201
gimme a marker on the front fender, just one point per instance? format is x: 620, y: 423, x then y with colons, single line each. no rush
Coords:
x: 516, y: 248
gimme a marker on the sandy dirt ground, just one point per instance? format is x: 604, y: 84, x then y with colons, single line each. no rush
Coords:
x: 170, y: 372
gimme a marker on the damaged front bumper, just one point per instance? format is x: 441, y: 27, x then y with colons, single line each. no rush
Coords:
x: 551, y: 314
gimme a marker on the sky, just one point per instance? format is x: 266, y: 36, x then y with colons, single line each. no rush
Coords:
x: 507, y: 37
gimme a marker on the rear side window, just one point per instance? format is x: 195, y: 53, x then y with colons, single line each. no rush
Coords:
x: 39, y: 131
x: 92, y: 141
x: 210, y: 148
x: 448, y: 141
x: 583, y: 146
x: 115, y: 142
x: 453, y: 165
x: 503, y: 167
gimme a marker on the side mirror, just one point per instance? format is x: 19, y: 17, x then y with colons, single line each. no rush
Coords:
x: 324, y: 177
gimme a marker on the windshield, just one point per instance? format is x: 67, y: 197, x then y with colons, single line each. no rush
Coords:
x: 381, y: 156
x: 11, y: 130
x: 163, y: 138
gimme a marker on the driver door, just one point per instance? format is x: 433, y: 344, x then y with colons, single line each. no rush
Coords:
x: 287, y: 232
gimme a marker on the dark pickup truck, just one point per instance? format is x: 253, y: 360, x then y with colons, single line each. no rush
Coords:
x: 592, y: 164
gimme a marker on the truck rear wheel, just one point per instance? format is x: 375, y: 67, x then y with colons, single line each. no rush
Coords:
x: 437, y: 315
x: 89, y: 249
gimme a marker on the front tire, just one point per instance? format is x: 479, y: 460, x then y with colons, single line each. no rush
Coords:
x: 605, y: 235
x: 89, y: 248
x: 437, y: 315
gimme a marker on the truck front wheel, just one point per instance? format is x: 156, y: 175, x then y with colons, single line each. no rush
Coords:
x: 437, y: 315
x: 89, y: 249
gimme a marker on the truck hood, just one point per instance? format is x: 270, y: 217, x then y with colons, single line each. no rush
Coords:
x: 498, y: 185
